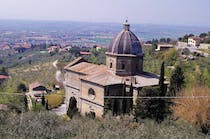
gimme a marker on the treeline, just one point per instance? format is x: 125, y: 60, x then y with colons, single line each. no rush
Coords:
x: 204, y: 37
x: 161, y: 40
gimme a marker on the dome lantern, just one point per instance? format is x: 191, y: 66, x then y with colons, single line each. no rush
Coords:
x: 126, y: 26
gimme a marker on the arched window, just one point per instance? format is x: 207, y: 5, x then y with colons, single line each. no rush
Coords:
x: 110, y: 66
x: 91, y: 93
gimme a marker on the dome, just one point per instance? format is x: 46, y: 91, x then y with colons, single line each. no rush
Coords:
x: 125, y: 42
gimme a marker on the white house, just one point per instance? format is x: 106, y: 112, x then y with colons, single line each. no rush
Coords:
x: 194, y: 41
x: 163, y: 47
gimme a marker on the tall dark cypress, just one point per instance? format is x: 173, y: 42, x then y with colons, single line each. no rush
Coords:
x: 26, y: 102
x: 130, y: 100
x: 161, y: 80
x: 43, y: 100
x: 46, y: 105
x: 124, y: 100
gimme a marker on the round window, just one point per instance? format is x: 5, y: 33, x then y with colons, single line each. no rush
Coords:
x: 91, y: 93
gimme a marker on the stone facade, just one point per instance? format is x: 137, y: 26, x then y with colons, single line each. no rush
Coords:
x: 124, y: 65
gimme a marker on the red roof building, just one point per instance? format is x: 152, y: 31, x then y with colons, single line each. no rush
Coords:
x: 3, y: 77
x: 85, y: 53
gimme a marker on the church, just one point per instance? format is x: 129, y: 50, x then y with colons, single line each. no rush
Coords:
x: 99, y: 88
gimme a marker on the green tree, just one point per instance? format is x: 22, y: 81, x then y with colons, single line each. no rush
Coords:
x: 21, y: 87
x: 185, y: 38
x: 43, y: 100
x: 3, y: 71
x: 162, y: 79
x: 203, y: 35
x: 207, y: 40
x: 46, y: 105
x: 168, y: 40
x: 25, y: 102
x: 177, y: 80
x: 154, y: 46
x: 191, y: 35
x: 162, y: 40
x: 205, y: 77
x: 149, y: 108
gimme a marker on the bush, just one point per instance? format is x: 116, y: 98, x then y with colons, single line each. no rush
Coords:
x: 43, y: 125
x: 54, y: 100
x: 195, y: 111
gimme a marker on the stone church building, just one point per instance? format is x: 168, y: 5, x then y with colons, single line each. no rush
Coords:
x: 93, y: 86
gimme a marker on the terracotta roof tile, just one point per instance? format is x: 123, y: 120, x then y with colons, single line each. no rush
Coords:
x: 100, y: 75
x: 3, y: 77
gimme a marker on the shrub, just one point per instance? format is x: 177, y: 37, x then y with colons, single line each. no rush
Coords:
x: 54, y: 100
x: 43, y: 125
x: 195, y: 111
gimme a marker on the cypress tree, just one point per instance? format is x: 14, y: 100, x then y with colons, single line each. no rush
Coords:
x: 177, y: 80
x: 162, y: 79
x: 124, y: 100
x: 46, y: 105
x: 43, y: 100
x: 26, y: 102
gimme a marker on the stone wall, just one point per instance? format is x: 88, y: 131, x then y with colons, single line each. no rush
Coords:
x: 92, y: 103
x: 124, y: 65
x: 72, y: 87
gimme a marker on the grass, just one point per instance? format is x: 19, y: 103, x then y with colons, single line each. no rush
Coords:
x: 55, y: 99
x: 205, y: 50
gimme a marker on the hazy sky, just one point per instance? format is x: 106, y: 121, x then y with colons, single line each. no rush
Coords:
x: 175, y: 12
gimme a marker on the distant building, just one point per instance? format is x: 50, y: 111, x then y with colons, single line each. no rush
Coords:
x: 68, y: 48
x: 85, y: 53
x: 98, y: 48
x: 182, y: 44
x: 194, y: 41
x: 3, y: 107
x: 4, y: 47
x: 163, y: 47
x: 26, y: 45
x: 53, y: 48
x: 36, y: 90
x: 3, y: 78
x: 91, y: 85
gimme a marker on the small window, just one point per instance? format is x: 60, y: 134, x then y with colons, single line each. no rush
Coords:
x: 137, y: 67
x: 91, y: 93
x: 110, y: 66
x: 123, y: 66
